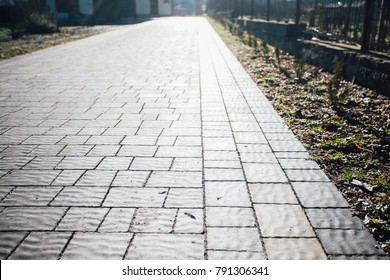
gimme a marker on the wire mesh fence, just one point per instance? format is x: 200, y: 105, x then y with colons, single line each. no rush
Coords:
x: 343, y: 20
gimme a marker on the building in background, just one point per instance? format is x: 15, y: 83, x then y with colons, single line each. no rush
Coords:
x: 100, y: 11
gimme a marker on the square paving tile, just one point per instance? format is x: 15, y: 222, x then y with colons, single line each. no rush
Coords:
x: 319, y: 195
x: 227, y: 194
x: 97, y: 246
x: 348, y: 242
x: 280, y: 220
x: 215, y: 174
x: 80, y: 196
x: 30, y: 218
x: 189, y: 221
x: 294, y: 249
x: 131, y: 178
x: 135, y: 197
x: 264, y: 173
x: 175, y: 179
x: 230, y: 217
x: 41, y: 246
x: 167, y: 247
x: 30, y: 196
x: 82, y: 219
x: 184, y: 198
x: 272, y: 193
x: 337, y: 218
x: 234, y: 239
x: 117, y: 220
x: 9, y: 241
x: 153, y: 220
x: 151, y: 163
x: 115, y: 163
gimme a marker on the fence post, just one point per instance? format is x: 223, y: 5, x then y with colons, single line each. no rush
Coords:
x: 252, y: 8
x: 298, y: 12
x: 268, y: 9
x: 242, y: 9
x: 365, y: 47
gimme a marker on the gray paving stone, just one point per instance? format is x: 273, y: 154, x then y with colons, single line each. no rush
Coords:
x: 348, y: 242
x: 222, y: 164
x: 97, y: 246
x: 234, y: 239
x: 99, y: 178
x: 135, y: 197
x: 29, y: 177
x: 151, y: 163
x: 30, y: 218
x: 175, y: 179
x: 335, y: 218
x: 68, y: 177
x: 167, y: 247
x: 74, y: 140
x: 292, y: 155
x: 137, y: 151
x: 227, y: 194
x: 188, y: 141
x: 131, y: 178
x: 258, y: 158
x: 215, y: 174
x: 230, y: 217
x: 320, y: 194
x: 298, y: 164
x: 9, y: 241
x: 220, y: 155
x: 219, y: 144
x: 82, y: 219
x: 281, y: 220
x: 14, y: 162
x: 253, y: 148
x: 30, y: 196
x: 306, y: 175
x: 187, y: 164
x: 294, y: 249
x: 80, y: 196
x: 4, y: 191
x: 184, y: 198
x: 245, y: 126
x: 358, y: 257
x: 272, y: 193
x: 43, y: 163
x: 250, y: 138
x: 284, y: 136
x: 264, y: 173
x: 117, y: 220
x: 79, y: 163
x: 103, y: 150
x: 43, y: 140
x: 179, y: 151
x: 115, y: 163
x: 139, y: 140
x: 234, y: 255
x: 153, y: 220
x: 189, y: 221
x: 47, y: 150
x: 41, y: 246
x: 75, y: 150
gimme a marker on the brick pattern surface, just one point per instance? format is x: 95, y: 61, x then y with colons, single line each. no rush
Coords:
x: 152, y: 142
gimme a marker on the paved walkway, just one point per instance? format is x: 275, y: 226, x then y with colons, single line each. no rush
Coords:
x: 152, y: 142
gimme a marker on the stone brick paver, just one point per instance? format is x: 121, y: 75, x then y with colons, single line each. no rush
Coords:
x: 152, y: 142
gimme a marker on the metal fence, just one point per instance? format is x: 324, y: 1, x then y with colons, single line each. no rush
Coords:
x: 364, y: 22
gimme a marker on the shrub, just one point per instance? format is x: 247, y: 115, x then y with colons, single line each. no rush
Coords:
x: 38, y: 23
x: 334, y: 85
